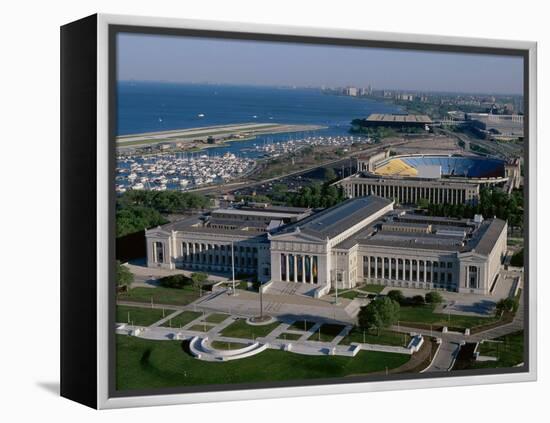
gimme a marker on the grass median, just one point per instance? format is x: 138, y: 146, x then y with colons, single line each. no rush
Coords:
x: 241, y: 329
x: 140, y: 316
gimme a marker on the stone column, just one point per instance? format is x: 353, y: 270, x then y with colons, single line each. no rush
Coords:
x: 425, y: 276
x: 303, y: 269
x: 287, y: 273
x: 295, y: 263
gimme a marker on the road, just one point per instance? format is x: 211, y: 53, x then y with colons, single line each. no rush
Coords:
x: 341, y: 160
x: 502, y: 150
x: 451, y: 341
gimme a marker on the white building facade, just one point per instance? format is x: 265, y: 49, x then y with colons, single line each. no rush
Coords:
x: 363, y: 240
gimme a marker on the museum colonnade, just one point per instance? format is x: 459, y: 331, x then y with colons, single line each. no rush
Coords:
x: 299, y: 268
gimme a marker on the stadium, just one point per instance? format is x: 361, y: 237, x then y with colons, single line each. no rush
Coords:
x: 437, y: 178
x: 441, y: 166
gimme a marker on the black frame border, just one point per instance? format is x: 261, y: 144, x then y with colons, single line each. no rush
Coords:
x: 78, y: 207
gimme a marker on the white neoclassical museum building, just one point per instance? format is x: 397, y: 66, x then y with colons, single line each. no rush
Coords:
x: 362, y: 240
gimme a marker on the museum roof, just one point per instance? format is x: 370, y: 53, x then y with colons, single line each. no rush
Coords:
x: 255, y: 212
x: 335, y: 220
x: 195, y: 225
x: 479, y: 238
x: 487, y: 235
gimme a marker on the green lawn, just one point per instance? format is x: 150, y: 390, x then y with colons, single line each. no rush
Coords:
x: 240, y: 329
x: 216, y: 317
x: 351, y: 295
x: 304, y: 325
x: 161, y: 295
x: 147, y: 364
x: 222, y: 345
x: 376, y: 289
x: 201, y: 328
x: 182, y: 319
x: 424, y: 314
x: 508, y: 350
x: 326, y: 332
x: 290, y: 336
x: 386, y: 337
x: 140, y: 316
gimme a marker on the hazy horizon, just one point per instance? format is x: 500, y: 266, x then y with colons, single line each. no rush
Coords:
x: 193, y: 60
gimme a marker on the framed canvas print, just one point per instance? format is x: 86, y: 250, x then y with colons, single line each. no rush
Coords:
x: 254, y: 211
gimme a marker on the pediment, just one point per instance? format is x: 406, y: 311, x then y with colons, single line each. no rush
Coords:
x: 296, y: 236
x: 472, y: 256
x: 157, y: 232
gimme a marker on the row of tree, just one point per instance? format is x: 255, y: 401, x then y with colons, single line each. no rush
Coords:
x: 315, y: 195
x: 164, y: 201
x: 491, y: 203
x: 139, y: 210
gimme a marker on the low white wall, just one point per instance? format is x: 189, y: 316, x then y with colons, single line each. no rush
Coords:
x: 323, y: 290
x: 199, y: 349
x: 210, y: 350
x: 414, y: 346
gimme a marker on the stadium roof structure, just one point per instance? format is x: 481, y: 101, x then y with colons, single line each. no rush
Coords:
x: 398, y: 118
x: 449, y: 165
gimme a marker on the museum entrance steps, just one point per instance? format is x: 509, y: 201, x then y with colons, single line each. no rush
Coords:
x: 292, y: 288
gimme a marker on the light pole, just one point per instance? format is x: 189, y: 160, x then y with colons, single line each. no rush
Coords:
x: 261, y: 302
x: 336, y: 278
x: 233, y: 266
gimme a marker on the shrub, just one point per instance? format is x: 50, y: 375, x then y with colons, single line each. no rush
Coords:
x: 124, y: 277
x: 417, y: 300
x: 517, y: 259
x: 199, y: 278
x: 433, y: 298
x: 175, y: 281
x: 396, y: 295
x: 507, y: 304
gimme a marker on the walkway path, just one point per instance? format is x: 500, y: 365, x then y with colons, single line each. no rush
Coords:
x: 451, y: 341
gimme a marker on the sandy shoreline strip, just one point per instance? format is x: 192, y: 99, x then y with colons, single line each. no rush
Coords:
x: 219, y: 131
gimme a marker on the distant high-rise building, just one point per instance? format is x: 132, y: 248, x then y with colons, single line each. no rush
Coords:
x: 351, y: 91
x: 365, y: 91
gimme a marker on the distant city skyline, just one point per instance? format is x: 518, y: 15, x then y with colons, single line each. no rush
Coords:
x: 179, y: 59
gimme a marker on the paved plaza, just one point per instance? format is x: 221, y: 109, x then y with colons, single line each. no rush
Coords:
x: 284, y: 307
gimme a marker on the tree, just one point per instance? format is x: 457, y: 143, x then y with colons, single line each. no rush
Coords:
x: 433, y: 298
x: 507, y: 304
x: 178, y: 281
x: 329, y: 174
x: 423, y: 203
x: 517, y: 259
x: 396, y: 295
x: 124, y: 278
x: 133, y: 219
x: 378, y: 314
x: 417, y: 300
x: 199, y: 278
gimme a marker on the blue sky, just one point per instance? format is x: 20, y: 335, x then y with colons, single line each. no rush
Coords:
x: 190, y: 59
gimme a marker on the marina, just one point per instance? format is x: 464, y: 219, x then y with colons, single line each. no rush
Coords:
x: 183, y: 171
x: 182, y: 137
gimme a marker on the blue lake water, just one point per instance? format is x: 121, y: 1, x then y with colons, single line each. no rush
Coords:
x: 148, y: 106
